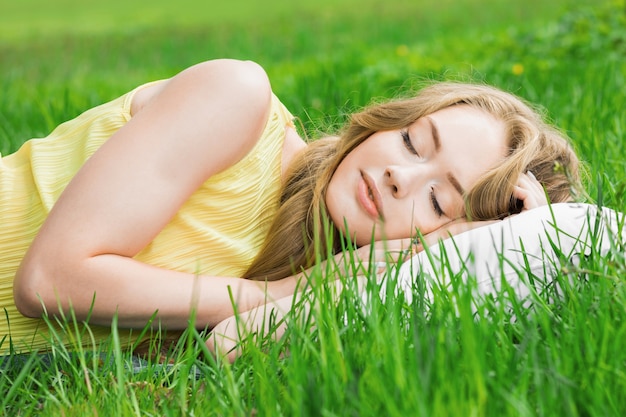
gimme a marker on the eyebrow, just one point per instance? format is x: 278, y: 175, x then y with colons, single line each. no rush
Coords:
x: 435, y: 133
x: 455, y: 183
x: 437, y: 140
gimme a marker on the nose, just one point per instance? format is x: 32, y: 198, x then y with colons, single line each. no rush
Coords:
x: 402, y: 179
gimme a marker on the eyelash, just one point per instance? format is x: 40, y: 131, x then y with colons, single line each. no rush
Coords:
x: 407, y: 142
x: 435, y: 203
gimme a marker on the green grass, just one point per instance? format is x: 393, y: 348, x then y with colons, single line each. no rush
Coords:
x: 456, y: 356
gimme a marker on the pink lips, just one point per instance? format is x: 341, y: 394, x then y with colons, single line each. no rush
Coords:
x: 369, y: 197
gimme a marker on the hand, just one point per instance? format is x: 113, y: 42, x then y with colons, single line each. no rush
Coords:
x: 225, y: 338
x: 397, y: 249
x: 530, y: 191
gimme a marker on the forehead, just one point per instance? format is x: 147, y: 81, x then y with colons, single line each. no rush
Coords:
x: 466, y: 124
x: 471, y: 140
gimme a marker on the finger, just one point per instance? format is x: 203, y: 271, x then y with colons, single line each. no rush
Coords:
x: 382, y: 251
x: 528, y: 178
x: 395, y: 244
x: 398, y: 250
x: 530, y: 191
x: 460, y: 227
x: 520, y: 192
x: 527, y: 183
x: 530, y: 198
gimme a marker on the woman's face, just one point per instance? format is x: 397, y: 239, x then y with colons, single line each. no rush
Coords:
x: 400, y: 181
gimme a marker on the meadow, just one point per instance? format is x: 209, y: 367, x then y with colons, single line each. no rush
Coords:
x: 325, y: 59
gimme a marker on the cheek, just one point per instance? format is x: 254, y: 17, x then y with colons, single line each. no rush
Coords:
x: 337, y: 191
x: 330, y: 200
x: 407, y: 221
x: 336, y: 201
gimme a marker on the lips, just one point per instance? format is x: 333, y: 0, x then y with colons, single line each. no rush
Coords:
x: 369, y: 197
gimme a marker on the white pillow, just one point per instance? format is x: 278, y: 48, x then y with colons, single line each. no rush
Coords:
x: 522, y: 246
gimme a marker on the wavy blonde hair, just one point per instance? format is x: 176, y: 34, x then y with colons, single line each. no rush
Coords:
x: 297, y: 233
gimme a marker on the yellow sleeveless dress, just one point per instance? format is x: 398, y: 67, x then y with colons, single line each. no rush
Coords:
x: 218, y: 231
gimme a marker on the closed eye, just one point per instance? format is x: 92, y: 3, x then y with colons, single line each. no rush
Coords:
x: 407, y: 142
x: 433, y: 200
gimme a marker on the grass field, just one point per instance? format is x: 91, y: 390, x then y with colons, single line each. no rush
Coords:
x: 325, y: 59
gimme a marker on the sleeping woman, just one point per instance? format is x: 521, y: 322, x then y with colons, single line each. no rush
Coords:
x: 184, y: 191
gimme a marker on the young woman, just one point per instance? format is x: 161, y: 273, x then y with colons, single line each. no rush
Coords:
x: 185, y: 191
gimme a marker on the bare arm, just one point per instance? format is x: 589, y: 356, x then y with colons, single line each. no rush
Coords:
x: 268, y: 319
x: 225, y: 339
x: 202, y: 121
x: 271, y: 319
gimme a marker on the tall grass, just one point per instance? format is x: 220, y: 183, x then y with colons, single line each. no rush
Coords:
x: 451, y: 354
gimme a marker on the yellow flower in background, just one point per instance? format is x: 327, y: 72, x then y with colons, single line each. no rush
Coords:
x: 517, y: 69
x: 402, y: 50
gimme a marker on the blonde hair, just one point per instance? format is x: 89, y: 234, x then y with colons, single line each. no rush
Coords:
x: 297, y: 233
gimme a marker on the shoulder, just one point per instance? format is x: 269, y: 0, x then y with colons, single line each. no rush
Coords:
x: 209, y: 105
x: 245, y: 78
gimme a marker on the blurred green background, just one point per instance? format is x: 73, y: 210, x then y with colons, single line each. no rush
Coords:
x: 25, y: 19
x: 325, y: 58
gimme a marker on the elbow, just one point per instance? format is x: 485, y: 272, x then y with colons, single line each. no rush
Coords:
x: 27, y: 291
